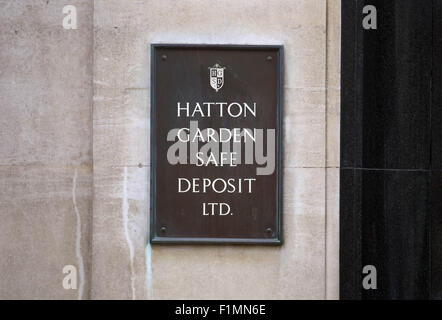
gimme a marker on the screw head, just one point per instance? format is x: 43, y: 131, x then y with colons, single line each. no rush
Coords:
x: 269, y: 232
x: 163, y: 229
x: 269, y: 58
x: 164, y: 57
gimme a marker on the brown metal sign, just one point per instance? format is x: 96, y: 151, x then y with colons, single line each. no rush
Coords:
x: 216, y: 144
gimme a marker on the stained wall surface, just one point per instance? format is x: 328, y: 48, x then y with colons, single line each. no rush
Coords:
x: 45, y: 149
x: 75, y: 162
x: 124, y: 264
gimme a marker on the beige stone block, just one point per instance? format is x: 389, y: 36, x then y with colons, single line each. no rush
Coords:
x: 215, y: 272
x: 332, y: 234
x: 40, y: 52
x: 126, y: 30
x: 45, y: 125
x: 304, y: 128
x: 333, y: 128
x: 194, y: 15
x: 333, y: 43
x: 305, y: 59
x: 304, y: 100
x: 115, y: 106
x: 32, y: 14
x: 121, y: 59
x: 333, y: 164
x: 333, y: 82
x: 302, y: 270
x: 45, y: 225
x: 121, y: 127
x: 333, y: 144
x: 120, y: 224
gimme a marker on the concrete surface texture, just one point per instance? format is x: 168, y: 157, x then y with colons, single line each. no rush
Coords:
x: 45, y: 149
x: 64, y: 202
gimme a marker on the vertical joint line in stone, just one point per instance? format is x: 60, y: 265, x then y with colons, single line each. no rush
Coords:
x: 325, y: 147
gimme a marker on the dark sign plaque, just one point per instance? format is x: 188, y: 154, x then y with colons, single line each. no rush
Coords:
x: 216, y: 144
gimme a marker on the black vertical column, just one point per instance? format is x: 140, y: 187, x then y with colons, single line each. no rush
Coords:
x: 386, y: 149
x: 436, y: 156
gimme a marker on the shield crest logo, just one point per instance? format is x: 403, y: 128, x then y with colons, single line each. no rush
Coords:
x: 216, y: 74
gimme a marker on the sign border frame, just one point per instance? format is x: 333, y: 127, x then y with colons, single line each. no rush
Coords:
x: 154, y: 238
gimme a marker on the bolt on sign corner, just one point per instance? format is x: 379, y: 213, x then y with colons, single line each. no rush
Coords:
x: 216, y: 174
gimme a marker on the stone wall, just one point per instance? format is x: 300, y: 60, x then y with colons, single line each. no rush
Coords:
x: 45, y: 149
x: 125, y: 266
x: 50, y: 178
